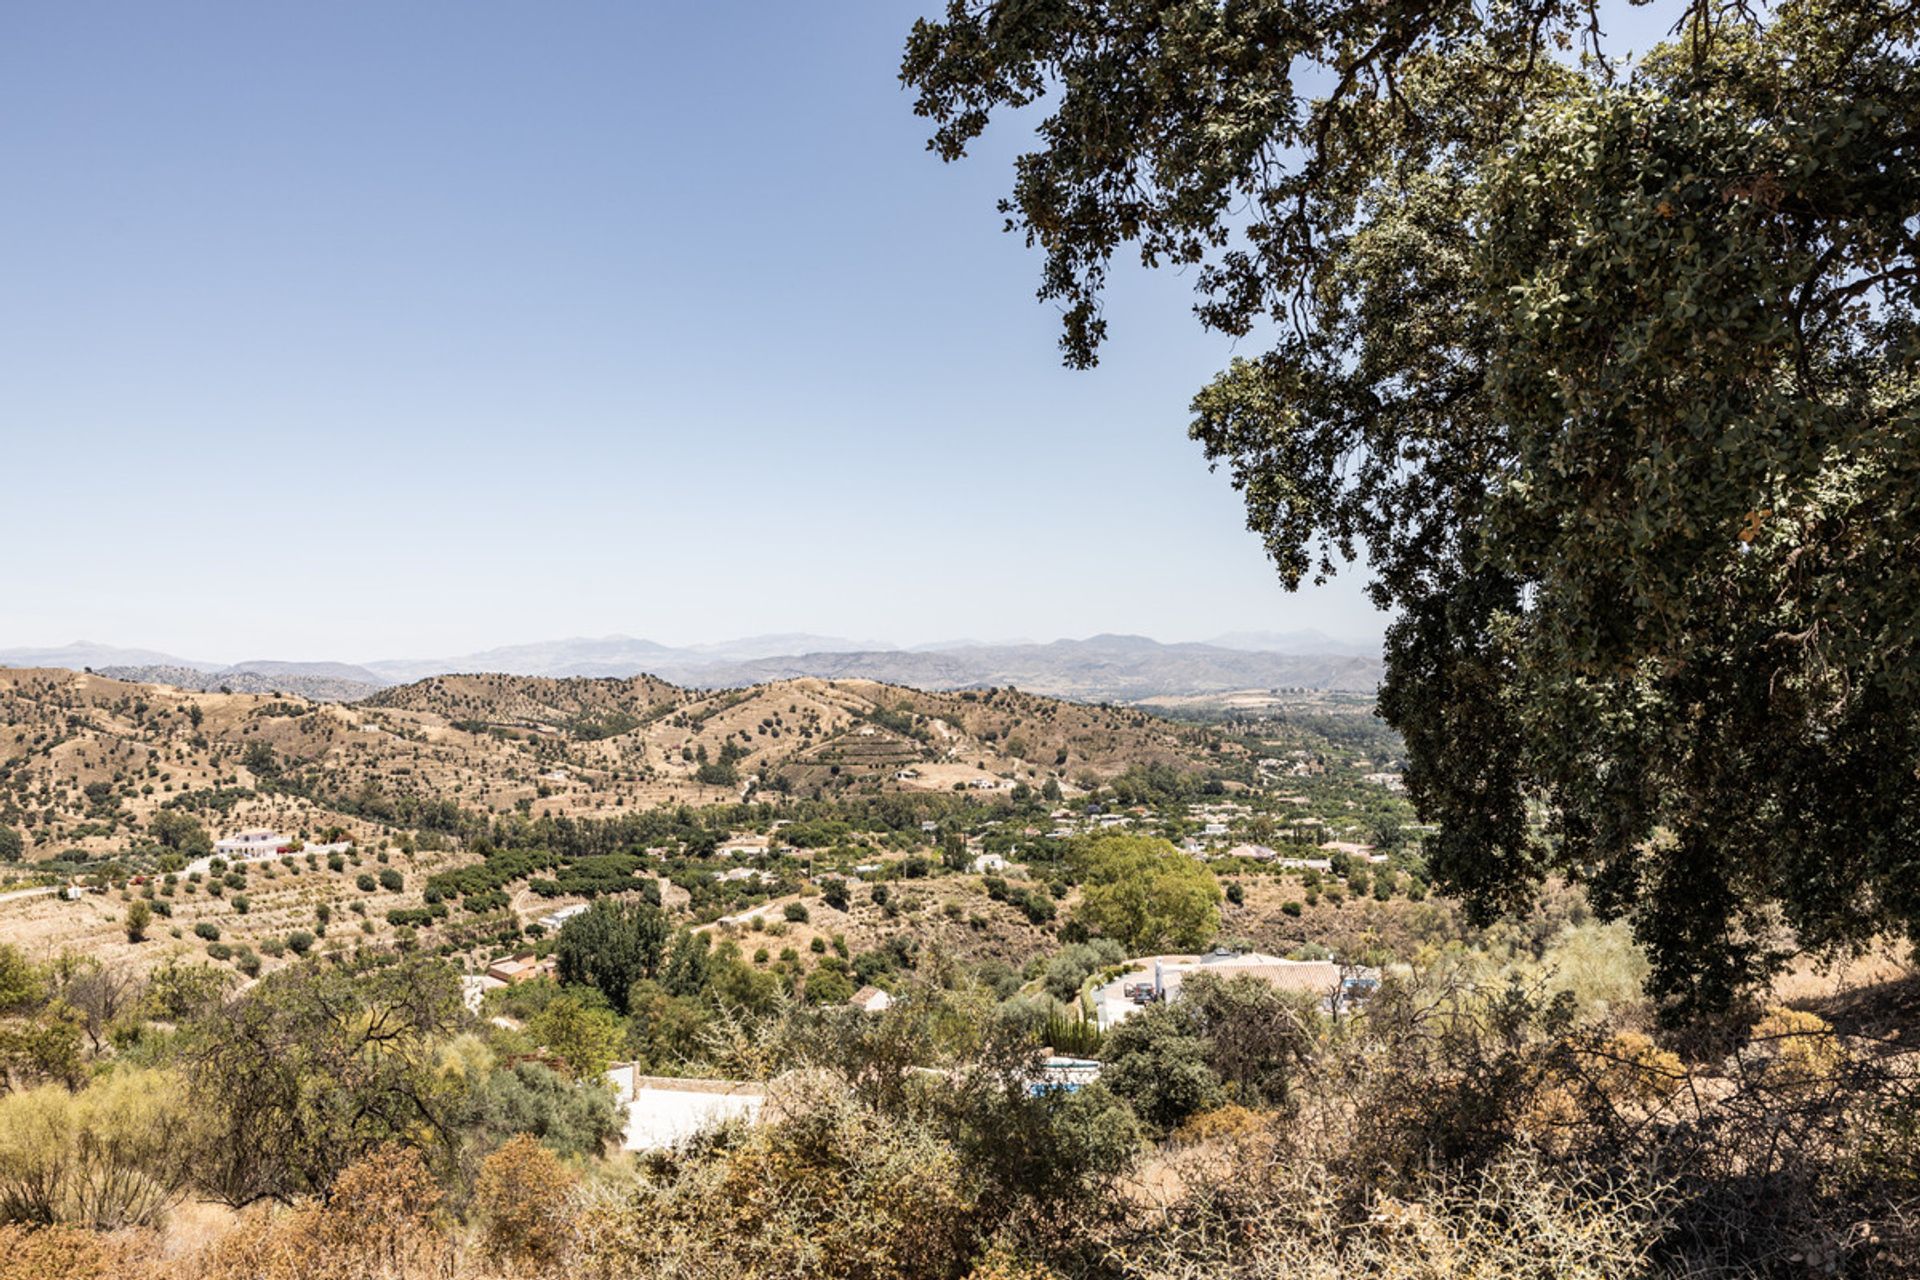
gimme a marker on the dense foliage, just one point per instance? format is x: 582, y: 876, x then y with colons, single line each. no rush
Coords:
x: 1146, y: 894
x: 1607, y: 368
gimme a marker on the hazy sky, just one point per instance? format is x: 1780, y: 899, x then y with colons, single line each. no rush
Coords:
x: 358, y: 330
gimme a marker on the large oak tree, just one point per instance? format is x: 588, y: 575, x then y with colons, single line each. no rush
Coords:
x: 1607, y: 368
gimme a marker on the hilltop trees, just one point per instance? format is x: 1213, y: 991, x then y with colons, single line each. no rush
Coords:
x: 1146, y: 894
x: 1607, y: 370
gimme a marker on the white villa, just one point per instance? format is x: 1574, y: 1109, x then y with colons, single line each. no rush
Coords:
x: 253, y: 844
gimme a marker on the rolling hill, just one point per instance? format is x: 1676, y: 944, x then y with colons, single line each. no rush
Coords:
x: 87, y: 760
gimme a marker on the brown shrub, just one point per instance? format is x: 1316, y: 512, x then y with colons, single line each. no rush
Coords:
x: 67, y: 1253
x: 383, y: 1222
x: 837, y: 1191
x: 522, y: 1198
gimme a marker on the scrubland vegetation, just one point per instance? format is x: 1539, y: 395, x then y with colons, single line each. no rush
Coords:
x: 1489, y: 1108
x: 281, y: 1091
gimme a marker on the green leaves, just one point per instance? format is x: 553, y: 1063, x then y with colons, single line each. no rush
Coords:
x: 1147, y: 895
x: 1545, y: 338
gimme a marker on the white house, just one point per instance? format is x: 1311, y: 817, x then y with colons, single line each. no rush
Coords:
x: 253, y: 844
x: 871, y: 1000
x: 988, y: 862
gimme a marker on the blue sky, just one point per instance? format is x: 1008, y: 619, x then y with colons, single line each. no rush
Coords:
x: 359, y: 330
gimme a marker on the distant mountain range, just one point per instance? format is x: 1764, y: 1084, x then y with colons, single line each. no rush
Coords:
x: 1102, y: 668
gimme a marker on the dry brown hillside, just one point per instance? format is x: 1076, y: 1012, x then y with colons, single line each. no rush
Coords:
x: 85, y: 760
x: 578, y: 706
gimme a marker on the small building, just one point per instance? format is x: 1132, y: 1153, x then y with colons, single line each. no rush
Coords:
x: 987, y: 862
x: 1153, y: 979
x: 663, y: 1112
x: 520, y: 968
x: 1255, y: 852
x: 552, y: 921
x: 253, y: 844
x: 871, y: 1000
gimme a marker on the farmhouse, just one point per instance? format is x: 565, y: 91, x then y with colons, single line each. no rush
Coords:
x: 520, y: 968
x: 253, y: 844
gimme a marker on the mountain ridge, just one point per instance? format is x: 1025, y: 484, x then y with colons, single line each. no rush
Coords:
x: 1106, y: 667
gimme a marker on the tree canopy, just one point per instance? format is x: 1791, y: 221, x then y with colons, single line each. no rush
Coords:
x: 1147, y: 895
x: 612, y: 945
x: 1606, y: 367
